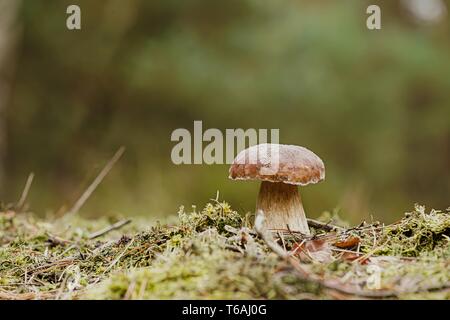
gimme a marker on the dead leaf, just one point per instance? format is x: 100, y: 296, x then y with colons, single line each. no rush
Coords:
x: 352, y: 256
x: 350, y: 242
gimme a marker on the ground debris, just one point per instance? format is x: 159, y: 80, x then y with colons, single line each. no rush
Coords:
x: 214, y: 253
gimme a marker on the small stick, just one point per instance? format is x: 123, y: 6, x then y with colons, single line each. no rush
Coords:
x: 104, y: 231
x: 267, y: 237
x: 324, y: 226
x: 282, y: 240
x: 77, y: 206
x: 25, y: 191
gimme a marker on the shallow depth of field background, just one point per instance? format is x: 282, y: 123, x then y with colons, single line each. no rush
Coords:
x: 374, y: 105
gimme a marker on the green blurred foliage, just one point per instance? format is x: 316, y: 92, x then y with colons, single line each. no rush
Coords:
x: 374, y: 105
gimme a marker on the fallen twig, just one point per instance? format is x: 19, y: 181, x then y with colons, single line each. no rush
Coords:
x: 267, y: 237
x: 5, y: 295
x: 80, y: 202
x: 324, y: 226
x: 104, y: 231
x: 25, y: 191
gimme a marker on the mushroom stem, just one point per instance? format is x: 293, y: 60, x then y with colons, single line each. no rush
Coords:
x: 282, y: 205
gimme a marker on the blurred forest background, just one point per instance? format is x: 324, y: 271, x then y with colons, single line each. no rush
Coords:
x: 374, y: 105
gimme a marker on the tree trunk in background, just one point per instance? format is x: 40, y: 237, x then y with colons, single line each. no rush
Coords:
x: 9, y: 31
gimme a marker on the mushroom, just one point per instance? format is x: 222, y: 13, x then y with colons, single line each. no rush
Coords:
x: 281, y: 168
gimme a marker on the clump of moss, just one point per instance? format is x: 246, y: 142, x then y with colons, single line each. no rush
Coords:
x: 419, y: 233
x: 407, y: 258
x: 217, y: 215
x: 204, y: 267
x: 215, y: 258
x: 38, y: 258
x: 395, y: 274
x: 213, y: 253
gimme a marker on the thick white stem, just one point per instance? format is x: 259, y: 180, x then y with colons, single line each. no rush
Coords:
x: 282, y: 206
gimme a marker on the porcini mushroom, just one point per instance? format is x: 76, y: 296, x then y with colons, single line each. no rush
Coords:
x: 281, y: 168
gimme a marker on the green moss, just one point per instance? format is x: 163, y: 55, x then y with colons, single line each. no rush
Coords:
x: 418, y: 234
x: 217, y: 215
x: 199, y: 269
x: 212, y: 254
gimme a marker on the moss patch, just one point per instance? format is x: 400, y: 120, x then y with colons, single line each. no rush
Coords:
x: 418, y: 234
x: 214, y: 253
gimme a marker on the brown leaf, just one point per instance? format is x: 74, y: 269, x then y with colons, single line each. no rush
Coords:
x: 350, y: 242
x: 352, y: 256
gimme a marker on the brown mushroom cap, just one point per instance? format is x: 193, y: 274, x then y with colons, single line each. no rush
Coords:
x: 296, y: 165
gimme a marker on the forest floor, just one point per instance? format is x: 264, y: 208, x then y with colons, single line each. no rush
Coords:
x: 216, y: 253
